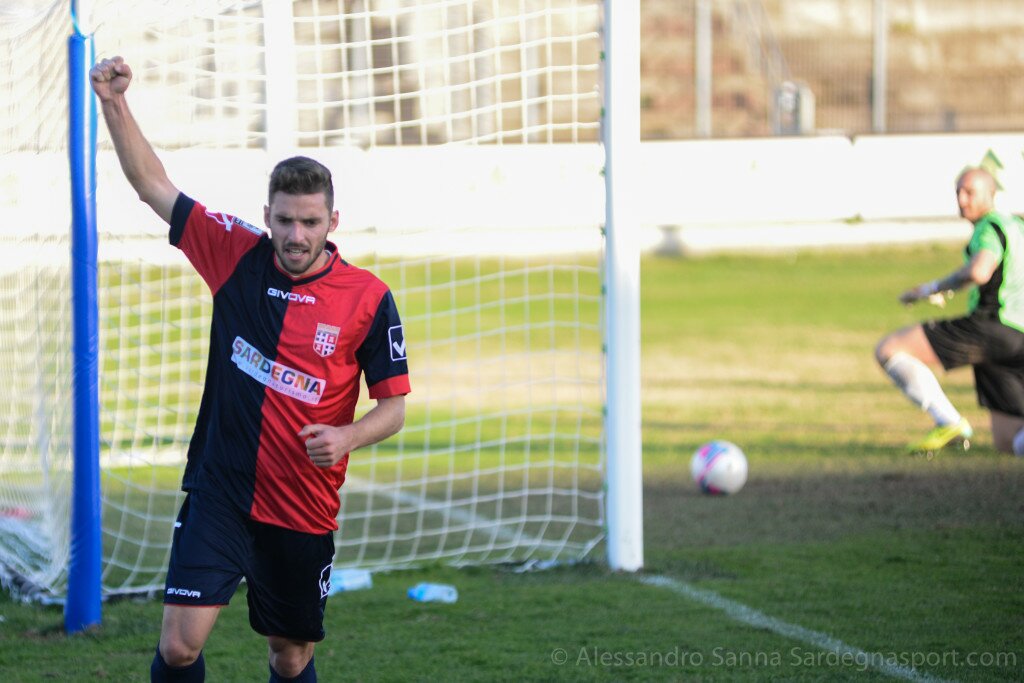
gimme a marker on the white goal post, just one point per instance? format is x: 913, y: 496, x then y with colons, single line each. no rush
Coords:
x: 469, y: 152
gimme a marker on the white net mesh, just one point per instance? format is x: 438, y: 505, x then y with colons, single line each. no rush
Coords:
x: 463, y: 137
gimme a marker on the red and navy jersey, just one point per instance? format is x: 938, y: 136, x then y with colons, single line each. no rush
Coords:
x: 284, y: 353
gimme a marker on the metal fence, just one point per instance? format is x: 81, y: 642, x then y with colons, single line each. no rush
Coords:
x: 741, y: 68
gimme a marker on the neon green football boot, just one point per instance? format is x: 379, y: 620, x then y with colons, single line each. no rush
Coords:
x: 942, y: 436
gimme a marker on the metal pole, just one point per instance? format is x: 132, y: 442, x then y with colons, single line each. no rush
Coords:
x: 82, y: 609
x: 702, y: 68
x: 879, y: 68
x: 281, y: 86
x: 621, y: 134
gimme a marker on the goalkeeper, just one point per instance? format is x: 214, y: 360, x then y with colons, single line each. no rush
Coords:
x: 294, y: 326
x: 989, y: 338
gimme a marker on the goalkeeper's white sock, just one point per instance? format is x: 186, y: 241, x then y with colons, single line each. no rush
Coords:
x: 919, y: 384
x: 1018, y: 443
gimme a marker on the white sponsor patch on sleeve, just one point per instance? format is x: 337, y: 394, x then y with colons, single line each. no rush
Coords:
x: 248, y: 226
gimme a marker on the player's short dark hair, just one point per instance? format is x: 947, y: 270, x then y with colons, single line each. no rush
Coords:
x: 302, y: 175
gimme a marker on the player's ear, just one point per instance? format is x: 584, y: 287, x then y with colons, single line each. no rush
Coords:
x: 266, y: 215
x: 335, y: 217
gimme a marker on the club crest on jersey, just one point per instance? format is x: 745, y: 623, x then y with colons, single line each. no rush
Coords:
x: 325, y: 341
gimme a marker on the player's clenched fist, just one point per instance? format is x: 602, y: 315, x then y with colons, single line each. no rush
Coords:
x: 110, y: 77
x: 326, y: 445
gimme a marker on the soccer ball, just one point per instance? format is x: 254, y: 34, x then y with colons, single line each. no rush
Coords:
x: 719, y: 467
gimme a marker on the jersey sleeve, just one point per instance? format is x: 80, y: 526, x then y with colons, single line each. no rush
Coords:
x: 988, y: 236
x: 212, y: 242
x: 382, y: 355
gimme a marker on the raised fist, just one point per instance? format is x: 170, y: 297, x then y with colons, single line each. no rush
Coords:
x: 110, y: 78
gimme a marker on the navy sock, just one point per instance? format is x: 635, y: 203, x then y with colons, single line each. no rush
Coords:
x: 308, y: 675
x: 161, y: 672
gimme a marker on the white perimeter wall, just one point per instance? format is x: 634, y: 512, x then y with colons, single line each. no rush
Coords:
x: 791, y: 192
x: 707, y: 195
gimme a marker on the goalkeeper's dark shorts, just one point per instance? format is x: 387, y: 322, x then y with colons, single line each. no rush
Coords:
x: 994, y: 350
x: 287, y: 572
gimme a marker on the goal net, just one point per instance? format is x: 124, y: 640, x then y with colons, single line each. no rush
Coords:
x: 463, y: 135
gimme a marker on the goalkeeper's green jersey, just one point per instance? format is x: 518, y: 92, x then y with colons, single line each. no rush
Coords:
x: 1003, y: 294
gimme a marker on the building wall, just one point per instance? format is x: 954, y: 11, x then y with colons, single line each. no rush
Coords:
x: 952, y: 67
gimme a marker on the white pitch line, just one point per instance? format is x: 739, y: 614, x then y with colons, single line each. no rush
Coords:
x: 752, y: 617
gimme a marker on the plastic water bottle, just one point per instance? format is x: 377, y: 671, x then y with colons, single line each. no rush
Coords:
x: 349, y: 580
x: 434, y: 592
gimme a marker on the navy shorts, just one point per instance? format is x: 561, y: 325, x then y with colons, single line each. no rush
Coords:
x: 994, y: 350
x: 288, y: 572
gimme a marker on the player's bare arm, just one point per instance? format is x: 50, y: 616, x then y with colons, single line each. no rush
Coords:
x: 326, y: 445
x: 977, y: 271
x: 143, y: 169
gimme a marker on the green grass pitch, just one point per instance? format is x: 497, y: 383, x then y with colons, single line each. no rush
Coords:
x: 837, y: 533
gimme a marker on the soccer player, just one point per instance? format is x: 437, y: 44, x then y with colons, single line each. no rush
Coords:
x: 990, y: 337
x: 293, y: 328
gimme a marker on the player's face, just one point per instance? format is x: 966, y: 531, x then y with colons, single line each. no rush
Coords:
x: 975, y: 196
x: 299, y: 224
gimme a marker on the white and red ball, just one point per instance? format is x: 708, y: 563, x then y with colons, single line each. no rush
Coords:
x: 719, y: 467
